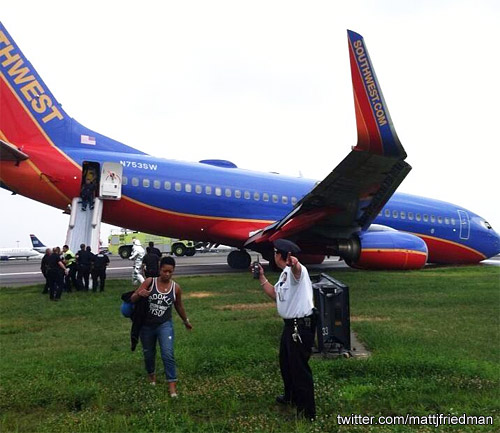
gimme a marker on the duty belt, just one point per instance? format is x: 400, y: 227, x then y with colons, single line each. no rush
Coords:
x: 306, y: 321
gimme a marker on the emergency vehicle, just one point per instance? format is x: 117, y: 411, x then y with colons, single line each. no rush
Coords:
x: 121, y: 243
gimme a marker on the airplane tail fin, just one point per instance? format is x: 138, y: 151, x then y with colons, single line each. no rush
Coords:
x: 376, y: 133
x: 32, y: 118
x: 38, y: 245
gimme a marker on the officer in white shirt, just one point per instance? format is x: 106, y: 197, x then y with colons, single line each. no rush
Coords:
x: 294, y: 300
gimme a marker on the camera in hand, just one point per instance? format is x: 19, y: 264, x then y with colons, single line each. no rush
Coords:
x: 256, y: 270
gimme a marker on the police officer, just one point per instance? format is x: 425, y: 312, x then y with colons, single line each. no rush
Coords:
x: 294, y: 300
x: 44, y: 267
x: 70, y: 263
x: 55, y: 274
x: 100, y: 262
x: 84, y: 262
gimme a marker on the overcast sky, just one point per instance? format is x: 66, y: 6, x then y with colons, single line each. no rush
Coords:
x: 266, y: 84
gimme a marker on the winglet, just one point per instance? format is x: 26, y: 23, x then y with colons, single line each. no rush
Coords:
x: 376, y: 133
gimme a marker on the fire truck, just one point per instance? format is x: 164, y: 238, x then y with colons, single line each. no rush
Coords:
x: 121, y: 243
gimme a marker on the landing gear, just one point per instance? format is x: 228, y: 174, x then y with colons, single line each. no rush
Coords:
x: 239, y: 259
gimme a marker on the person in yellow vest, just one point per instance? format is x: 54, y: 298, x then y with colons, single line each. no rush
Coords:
x: 70, y: 263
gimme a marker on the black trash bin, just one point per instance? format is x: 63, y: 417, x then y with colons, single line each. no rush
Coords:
x: 331, y: 299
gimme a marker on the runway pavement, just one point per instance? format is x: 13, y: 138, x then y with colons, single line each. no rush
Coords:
x: 14, y: 273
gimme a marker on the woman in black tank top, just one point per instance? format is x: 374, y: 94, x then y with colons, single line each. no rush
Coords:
x: 162, y: 294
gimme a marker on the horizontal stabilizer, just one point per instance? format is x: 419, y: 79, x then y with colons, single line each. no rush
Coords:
x: 9, y: 152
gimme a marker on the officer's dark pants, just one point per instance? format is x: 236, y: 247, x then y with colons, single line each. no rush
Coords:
x: 83, y: 275
x: 70, y: 279
x: 56, y: 282
x: 98, y: 274
x: 295, y: 370
x: 46, y: 287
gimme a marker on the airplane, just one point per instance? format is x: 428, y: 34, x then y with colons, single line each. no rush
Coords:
x: 38, y: 245
x: 353, y: 213
x: 19, y: 253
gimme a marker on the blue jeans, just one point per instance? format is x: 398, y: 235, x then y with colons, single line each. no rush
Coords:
x: 164, y: 333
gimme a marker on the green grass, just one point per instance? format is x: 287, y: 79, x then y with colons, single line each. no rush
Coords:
x: 434, y: 336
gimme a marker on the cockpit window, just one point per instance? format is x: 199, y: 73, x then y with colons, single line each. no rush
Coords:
x: 487, y: 225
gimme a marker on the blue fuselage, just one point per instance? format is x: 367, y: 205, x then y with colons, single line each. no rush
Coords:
x: 206, y: 190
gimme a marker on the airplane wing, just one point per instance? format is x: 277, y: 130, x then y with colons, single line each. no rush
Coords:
x: 9, y: 152
x: 352, y: 195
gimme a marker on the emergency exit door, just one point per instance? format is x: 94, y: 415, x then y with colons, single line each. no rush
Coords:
x: 464, y: 224
x: 111, y: 180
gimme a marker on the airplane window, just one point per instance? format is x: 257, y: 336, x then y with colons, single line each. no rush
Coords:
x: 237, y: 193
x: 246, y: 194
x: 426, y: 217
x: 394, y: 213
x: 228, y: 192
x: 294, y: 202
x: 433, y: 219
x: 284, y: 199
x: 275, y: 198
x: 125, y: 180
x: 453, y: 221
x: 410, y: 216
x: 418, y: 217
x: 403, y: 215
x: 135, y: 181
x: 167, y: 185
x: 188, y: 187
x: 156, y: 184
x: 178, y: 186
x: 387, y: 213
x: 218, y: 191
x: 208, y: 190
x: 145, y: 183
x: 198, y: 189
x: 440, y: 219
x: 446, y: 220
x: 256, y: 196
x: 265, y: 196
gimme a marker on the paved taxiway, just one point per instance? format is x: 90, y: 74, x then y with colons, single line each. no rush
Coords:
x: 22, y: 272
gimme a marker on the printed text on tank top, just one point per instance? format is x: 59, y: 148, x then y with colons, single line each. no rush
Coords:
x: 160, y: 301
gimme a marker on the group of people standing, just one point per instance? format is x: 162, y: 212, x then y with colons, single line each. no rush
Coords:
x: 65, y: 270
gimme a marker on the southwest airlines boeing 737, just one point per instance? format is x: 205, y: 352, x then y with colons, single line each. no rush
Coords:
x: 353, y: 213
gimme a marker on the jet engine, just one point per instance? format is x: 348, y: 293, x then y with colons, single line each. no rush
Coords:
x: 384, y: 250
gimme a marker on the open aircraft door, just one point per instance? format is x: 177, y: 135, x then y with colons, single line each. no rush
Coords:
x: 111, y: 181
